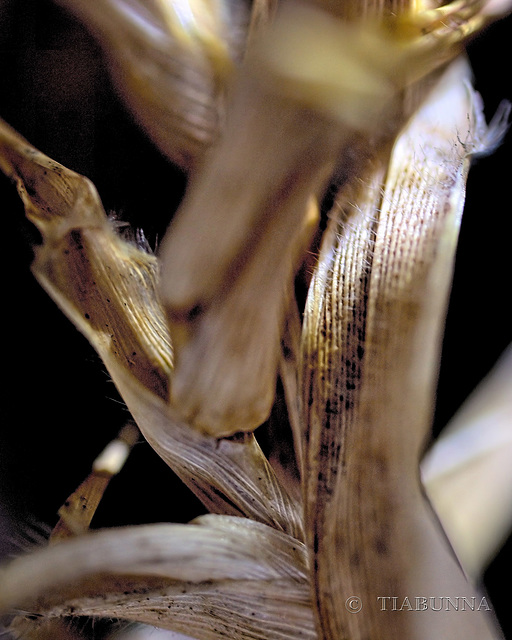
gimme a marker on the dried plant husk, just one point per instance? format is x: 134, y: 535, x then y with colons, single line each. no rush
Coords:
x: 467, y: 473
x: 214, y: 576
x: 108, y: 288
x: 229, y: 475
x: 297, y: 112
x: 170, y: 62
x: 370, y: 349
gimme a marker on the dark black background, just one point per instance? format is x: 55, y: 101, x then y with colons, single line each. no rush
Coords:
x: 58, y: 406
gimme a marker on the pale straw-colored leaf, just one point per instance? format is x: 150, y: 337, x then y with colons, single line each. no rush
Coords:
x: 227, y: 291
x: 371, y: 342
x: 467, y: 472
x: 229, y: 475
x: 297, y: 111
x: 315, y: 91
x: 107, y: 287
x: 238, y: 609
x: 214, y: 576
x: 170, y: 62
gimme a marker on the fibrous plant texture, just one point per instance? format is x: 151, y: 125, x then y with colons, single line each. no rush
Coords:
x: 279, y: 347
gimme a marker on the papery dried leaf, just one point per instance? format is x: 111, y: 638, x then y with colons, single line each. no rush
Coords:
x: 242, y: 610
x: 371, y: 344
x: 170, y: 61
x: 467, y: 472
x: 229, y: 475
x: 107, y: 287
x: 315, y: 92
x: 211, y: 547
x: 226, y: 290
x: 214, y: 574
x: 104, y: 284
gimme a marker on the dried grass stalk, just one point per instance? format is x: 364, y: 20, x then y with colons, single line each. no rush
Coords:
x: 218, y: 575
x: 398, y: 127
x: 170, y: 61
x: 107, y: 287
x: 371, y: 341
x: 296, y: 113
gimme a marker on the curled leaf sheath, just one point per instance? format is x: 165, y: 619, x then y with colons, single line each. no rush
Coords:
x: 371, y: 343
x: 107, y: 287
